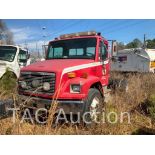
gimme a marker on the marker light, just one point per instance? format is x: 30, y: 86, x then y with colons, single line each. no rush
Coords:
x: 84, y: 75
x: 88, y: 33
x: 71, y: 75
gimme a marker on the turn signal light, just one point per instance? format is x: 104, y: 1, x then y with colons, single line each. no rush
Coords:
x: 84, y: 75
x: 71, y: 75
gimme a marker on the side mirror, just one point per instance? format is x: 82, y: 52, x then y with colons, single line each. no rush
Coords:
x: 28, y: 56
x: 45, y: 48
x: 114, y: 48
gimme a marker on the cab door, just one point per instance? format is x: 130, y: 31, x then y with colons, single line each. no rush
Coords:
x: 105, y: 63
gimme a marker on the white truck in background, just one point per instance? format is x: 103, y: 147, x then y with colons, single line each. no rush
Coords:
x: 134, y: 60
x: 12, y: 58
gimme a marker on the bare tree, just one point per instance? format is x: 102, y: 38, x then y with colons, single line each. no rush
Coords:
x: 6, y: 36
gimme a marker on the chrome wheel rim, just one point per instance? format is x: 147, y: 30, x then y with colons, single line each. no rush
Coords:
x: 93, y: 108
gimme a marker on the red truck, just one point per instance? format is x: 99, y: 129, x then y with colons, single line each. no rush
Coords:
x: 75, y: 73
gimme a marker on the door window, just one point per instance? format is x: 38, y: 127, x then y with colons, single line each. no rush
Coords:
x: 103, y: 51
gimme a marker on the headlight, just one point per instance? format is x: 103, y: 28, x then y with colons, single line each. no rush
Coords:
x: 23, y: 84
x: 46, y: 86
x: 75, y: 88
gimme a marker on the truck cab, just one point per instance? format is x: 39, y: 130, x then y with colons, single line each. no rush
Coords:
x: 12, y: 58
x: 74, y: 74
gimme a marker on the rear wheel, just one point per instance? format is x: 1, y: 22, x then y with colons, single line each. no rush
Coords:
x: 94, y: 107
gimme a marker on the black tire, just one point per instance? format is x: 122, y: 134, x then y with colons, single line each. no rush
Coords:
x: 92, y: 94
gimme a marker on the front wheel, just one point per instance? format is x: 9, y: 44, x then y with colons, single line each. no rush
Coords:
x: 94, y: 107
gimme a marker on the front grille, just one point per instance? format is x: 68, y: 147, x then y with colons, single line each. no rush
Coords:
x: 41, y: 77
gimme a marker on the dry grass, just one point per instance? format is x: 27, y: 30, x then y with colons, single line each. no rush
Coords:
x: 141, y: 87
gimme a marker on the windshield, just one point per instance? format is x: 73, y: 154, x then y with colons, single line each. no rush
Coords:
x: 83, y: 48
x: 7, y: 53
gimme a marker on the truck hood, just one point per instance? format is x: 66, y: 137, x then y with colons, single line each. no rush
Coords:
x: 55, y: 65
